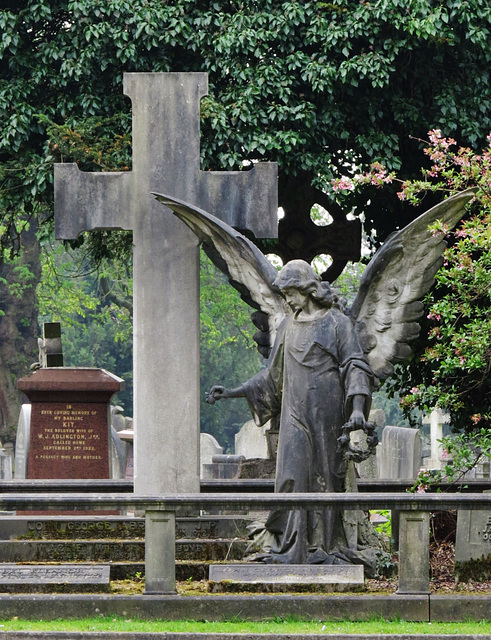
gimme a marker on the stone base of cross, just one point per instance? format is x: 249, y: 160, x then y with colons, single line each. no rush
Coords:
x: 166, y: 158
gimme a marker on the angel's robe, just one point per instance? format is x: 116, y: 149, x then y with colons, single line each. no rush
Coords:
x: 315, y: 369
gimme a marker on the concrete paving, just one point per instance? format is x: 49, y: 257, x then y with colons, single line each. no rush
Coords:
x: 248, y: 607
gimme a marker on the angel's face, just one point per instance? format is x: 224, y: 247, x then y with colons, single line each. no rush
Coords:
x: 295, y: 298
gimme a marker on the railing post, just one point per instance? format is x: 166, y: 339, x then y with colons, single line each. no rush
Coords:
x: 160, y: 552
x: 414, y: 552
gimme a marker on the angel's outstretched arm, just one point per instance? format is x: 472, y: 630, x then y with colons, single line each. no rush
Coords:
x: 219, y: 392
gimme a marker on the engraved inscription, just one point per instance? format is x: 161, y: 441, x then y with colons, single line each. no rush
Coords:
x: 64, y: 434
x: 69, y: 440
x: 486, y: 532
x: 21, y: 574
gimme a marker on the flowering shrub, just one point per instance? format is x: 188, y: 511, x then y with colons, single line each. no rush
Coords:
x: 461, y: 452
x: 451, y: 366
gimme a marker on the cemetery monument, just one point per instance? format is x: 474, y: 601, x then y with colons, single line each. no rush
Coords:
x: 166, y: 157
x: 324, y: 363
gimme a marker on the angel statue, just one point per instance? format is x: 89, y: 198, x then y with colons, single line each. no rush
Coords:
x: 325, y: 360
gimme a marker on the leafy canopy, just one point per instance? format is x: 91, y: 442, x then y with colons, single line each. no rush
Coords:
x: 451, y: 367
x: 311, y: 85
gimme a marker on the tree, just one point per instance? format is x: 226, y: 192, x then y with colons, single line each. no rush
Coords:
x: 315, y: 86
x: 451, y: 365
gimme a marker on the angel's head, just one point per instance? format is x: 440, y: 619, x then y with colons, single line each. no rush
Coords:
x: 298, y: 276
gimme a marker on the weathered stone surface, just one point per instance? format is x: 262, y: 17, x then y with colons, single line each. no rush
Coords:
x: 322, y: 577
x: 54, y: 578
x: 251, y: 442
x: 22, y: 442
x: 414, y: 556
x: 120, y: 527
x: 473, y: 545
x: 209, y: 447
x: 70, y: 528
x: 399, y: 456
x: 54, y: 574
x: 115, y: 550
x: 166, y: 159
x: 69, y: 424
x: 249, y: 607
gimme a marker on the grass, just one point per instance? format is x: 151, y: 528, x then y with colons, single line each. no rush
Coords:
x: 286, y: 626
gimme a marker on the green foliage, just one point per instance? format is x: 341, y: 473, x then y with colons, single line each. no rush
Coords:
x: 451, y: 367
x: 96, y: 323
x: 228, y: 352
x: 97, y: 328
x: 312, y: 85
x: 463, y: 453
x: 316, y: 86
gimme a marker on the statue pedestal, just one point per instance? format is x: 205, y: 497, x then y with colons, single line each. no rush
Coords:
x: 285, y: 577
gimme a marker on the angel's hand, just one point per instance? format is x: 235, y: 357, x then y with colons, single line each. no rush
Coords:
x: 217, y: 392
x: 357, y: 419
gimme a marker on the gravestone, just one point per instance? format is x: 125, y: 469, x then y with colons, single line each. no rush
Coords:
x: 22, y: 442
x: 166, y: 159
x: 436, y: 420
x: 43, y: 578
x: 281, y: 577
x: 223, y: 466
x: 399, y: 458
x: 209, y: 447
x: 70, y: 422
x: 399, y: 455
x: 251, y: 441
x: 473, y: 543
x: 127, y: 436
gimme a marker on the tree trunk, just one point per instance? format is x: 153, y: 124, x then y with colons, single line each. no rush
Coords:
x: 18, y: 328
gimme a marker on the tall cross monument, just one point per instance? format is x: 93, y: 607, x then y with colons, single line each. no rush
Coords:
x: 166, y: 156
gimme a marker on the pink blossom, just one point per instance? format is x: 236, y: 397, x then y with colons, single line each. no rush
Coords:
x: 434, y: 316
x: 445, y: 454
x: 343, y: 184
x: 421, y: 488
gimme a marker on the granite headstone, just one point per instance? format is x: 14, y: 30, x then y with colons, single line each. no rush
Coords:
x: 69, y: 426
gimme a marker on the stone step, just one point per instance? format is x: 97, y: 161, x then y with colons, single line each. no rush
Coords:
x: 54, y: 578
x: 115, y: 550
x: 120, y: 527
x: 185, y: 570
x: 264, y: 578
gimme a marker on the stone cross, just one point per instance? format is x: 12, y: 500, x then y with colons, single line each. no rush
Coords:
x: 166, y: 159
x: 50, y: 346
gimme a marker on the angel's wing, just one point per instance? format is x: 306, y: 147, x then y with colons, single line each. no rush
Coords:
x: 245, y: 265
x: 388, y: 304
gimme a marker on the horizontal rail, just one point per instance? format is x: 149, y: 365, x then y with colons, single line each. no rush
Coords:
x: 364, y: 501
x: 236, y: 485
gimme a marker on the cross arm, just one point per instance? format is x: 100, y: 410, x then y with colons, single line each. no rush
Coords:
x: 243, y: 199
x: 87, y: 201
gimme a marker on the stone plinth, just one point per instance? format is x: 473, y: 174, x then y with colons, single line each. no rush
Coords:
x: 69, y: 433
x: 42, y: 578
x: 280, y: 577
